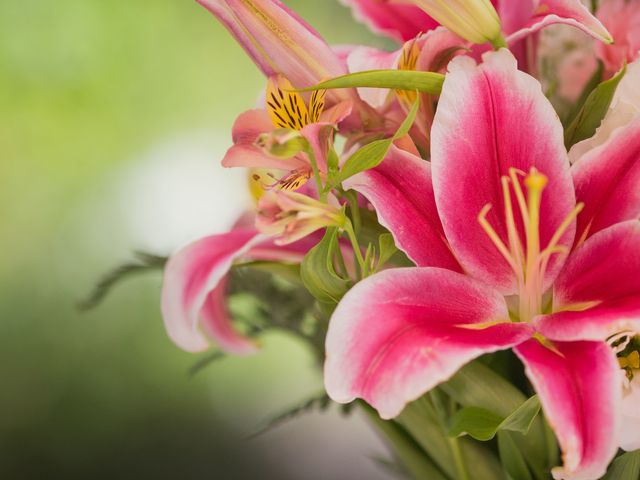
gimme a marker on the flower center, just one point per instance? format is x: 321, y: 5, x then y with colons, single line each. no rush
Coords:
x: 528, y: 260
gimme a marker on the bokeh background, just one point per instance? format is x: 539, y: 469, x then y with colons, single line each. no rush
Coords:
x: 114, y: 115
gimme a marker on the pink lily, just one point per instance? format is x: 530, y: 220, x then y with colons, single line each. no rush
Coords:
x: 280, y: 42
x: 520, y: 18
x: 260, y: 134
x: 194, y: 290
x: 490, y: 224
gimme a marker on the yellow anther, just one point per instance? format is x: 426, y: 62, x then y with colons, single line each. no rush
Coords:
x: 630, y: 361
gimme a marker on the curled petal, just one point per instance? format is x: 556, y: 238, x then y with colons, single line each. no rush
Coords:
x: 598, y: 292
x: 578, y: 385
x: 400, y: 190
x: 567, y: 12
x: 401, y: 332
x: 607, y: 179
x: 193, y: 293
x: 492, y: 118
x: 393, y: 19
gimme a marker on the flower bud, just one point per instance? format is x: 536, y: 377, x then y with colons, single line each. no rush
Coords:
x: 290, y: 216
x: 473, y: 20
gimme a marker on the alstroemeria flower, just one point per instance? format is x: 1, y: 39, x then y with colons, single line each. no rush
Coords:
x: 622, y: 19
x: 280, y: 42
x: 290, y: 216
x: 490, y: 224
x: 260, y: 134
x: 194, y: 290
x: 519, y: 18
x: 627, y: 347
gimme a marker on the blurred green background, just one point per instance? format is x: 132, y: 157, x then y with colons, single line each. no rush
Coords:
x: 114, y: 115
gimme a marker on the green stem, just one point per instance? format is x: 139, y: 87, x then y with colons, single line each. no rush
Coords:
x: 348, y: 227
x: 316, y: 174
x: 461, y: 468
x: 352, y: 198
x: 499, y: 42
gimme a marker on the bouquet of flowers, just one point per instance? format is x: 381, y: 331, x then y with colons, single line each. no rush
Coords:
x: 452, y: 227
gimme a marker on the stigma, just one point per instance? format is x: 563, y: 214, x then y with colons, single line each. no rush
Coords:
x: 526, y: 256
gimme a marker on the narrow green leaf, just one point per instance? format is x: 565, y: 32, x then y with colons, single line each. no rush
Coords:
x: 387, y: 248
x: 625, y: 467
x: 417, y: 461
x: 428, y: 82
x: 318, y: 273
x: 593, y: 111
x: 483, y: 424
x: 372, y: 154
x: 512, y: 460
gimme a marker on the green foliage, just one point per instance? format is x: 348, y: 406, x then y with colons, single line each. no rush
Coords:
x: 483, y: 424
x: 511, y: 457
x: 625, y: 467
x: 318, y: 273
x: 372, y: 154
x: 427, y: 82
x: 145, y: 262
x: 593, y: 111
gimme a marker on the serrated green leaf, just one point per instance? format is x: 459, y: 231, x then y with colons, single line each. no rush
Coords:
x: 593, y: 111
x: 317, y: 271
x: 512, y: 460
x: 483, y: 424
x: 428, y: 82
x: 625, y: 467
x: 372, y: 154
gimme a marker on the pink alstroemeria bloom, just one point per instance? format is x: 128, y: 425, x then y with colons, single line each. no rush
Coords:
x: 622, y: 18
x: 286, y: 118
x: 519, y: 18
x: 490, y: 224
x: 194, y: 291
x: 280, y: 42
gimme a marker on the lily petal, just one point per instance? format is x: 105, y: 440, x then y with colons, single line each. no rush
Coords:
x: 401, y: 332
x: 492, y: 118
x: 279, y: 41
x: 386, y: 17
x: 401, y: 191
x: 578, y: 385
x: 598, y: 292
x: 606, y: 181
x: 193, y: 294
x: 567, y: 12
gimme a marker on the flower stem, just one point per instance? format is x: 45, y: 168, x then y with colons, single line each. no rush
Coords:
x: 461, y: 468
x: 322, y: 195
x: 348, y: 227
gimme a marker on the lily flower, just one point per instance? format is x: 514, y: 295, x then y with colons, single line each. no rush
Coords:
x: 277, y: 136
x: 279, y: 41
x: 194, y: 289
x: 490, y: 224
x: 291, y: 216
x: 622, y: 18
x: 519, y: 18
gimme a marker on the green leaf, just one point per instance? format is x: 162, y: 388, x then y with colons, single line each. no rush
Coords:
x: 625, y: 467
x: 512, y: 460
x: 318, y: 273
x: 476, y: 385
x: 320, y: 403
x: 145, y: 262
x: 417, y: 462
x: 372, y: 154
x: 483, y: 424
x: 428, y: 82
x: 593, y: 111
x: 387, y: 248
x: 591, y: 85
